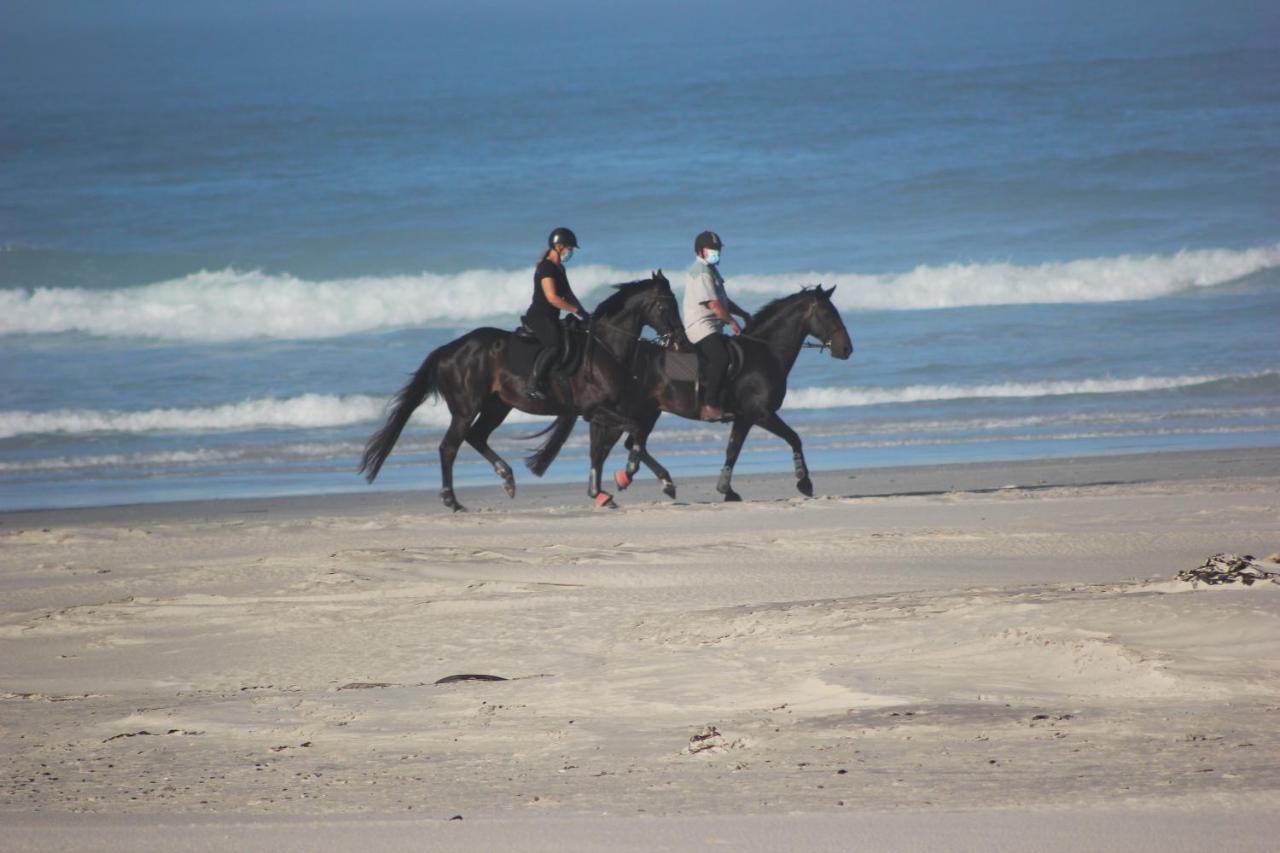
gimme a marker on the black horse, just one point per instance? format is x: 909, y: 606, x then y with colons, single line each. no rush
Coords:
x: 480, y: 385
x: 770, y: 344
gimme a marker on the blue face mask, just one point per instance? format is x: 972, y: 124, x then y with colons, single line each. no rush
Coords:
x: 567, y: 256
x: 712, y: 257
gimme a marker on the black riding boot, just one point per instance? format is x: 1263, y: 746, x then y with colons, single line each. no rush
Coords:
x: 538, y: 375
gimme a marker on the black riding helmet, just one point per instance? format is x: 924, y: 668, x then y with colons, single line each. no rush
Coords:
x: 707, y: 240
x: 564, y: 237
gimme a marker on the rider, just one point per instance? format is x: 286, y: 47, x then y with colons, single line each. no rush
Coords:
x: 551, y: 295
x: 706, y: 309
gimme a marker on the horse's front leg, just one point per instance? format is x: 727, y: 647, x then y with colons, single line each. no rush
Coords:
x: 603, y: 438
x: 492, y: 414
x: 663, y: 475
x: 741, y: 426
x: 779, y: 427
x: 639, y: 453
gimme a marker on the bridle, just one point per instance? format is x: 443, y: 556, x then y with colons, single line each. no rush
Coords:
x: 822, y: 346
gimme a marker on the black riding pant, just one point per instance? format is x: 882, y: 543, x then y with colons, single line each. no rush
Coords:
x: 547, y: 329
x: 713, y: 353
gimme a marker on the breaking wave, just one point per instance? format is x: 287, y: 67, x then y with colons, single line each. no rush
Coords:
x: 830, y: 398
x: 307, y: 411
x: 229, y: 304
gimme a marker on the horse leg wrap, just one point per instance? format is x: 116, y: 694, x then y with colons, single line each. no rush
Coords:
x: 802, y: 470
x: 723, y: 486
x: 622, y: 478
x: 604, y: 499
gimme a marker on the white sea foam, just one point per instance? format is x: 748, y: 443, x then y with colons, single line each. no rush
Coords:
x: 834, y: 397
x: 307, y: 411
x: 1092, y: 280
x: 316, y: 411
x: 233, y: 305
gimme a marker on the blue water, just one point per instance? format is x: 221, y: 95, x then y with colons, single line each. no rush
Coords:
x: 226, y: 235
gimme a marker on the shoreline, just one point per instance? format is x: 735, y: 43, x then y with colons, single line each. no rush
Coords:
x: 894, y: 481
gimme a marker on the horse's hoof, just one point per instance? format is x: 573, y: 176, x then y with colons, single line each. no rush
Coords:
x: 805, y: 487
x: 510, y: 487
x: 623, y: 479
x: 447, y: 496
x: 669, y: 489
x: 604, y: 500
x: 732, y: 497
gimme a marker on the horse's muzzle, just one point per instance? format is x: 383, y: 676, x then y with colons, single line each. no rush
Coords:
x: 841, y: 345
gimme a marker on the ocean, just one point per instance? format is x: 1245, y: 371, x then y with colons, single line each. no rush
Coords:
x: 228, y: 235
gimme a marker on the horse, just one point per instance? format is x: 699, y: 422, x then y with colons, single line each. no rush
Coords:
x: 480, y: 388
x: 770, y: 344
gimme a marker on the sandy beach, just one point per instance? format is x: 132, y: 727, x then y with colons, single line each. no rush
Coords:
x: 988, y: 656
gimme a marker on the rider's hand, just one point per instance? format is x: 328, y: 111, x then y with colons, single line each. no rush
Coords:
x: 737, y: 330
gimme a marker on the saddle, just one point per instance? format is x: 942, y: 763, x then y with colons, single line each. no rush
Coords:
x: 523, y: 348
x: 685, y: 366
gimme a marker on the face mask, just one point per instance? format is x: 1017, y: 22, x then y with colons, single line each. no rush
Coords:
x: 712, y: 257
x: 568, y: 254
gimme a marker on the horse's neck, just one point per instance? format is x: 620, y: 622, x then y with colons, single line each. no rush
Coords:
x: 619, y: 333
x: 784, y: 337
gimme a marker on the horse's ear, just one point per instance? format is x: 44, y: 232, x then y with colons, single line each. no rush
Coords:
x: 828, y: 293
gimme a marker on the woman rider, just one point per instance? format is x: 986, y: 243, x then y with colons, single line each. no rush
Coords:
x: 551, y: 295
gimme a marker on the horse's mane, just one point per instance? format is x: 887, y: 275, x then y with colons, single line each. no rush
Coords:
x: 622, y: 292
x: 772, y: 310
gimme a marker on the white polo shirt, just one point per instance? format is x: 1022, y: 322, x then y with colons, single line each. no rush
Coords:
x: 704, y: 284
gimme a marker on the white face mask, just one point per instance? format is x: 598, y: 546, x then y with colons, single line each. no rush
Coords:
x: 712, y: 257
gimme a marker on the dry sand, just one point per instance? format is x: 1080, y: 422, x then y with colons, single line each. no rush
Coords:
x: 958, y: 657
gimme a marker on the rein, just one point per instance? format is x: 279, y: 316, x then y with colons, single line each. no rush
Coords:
x: 824, y: 345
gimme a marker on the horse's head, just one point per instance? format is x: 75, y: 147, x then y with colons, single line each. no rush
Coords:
x: 823, y: 322
x: 650, y: 302
x: 664, y: 312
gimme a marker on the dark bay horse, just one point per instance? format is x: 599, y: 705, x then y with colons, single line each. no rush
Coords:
x: 770, y: 343
x: 472, y: 376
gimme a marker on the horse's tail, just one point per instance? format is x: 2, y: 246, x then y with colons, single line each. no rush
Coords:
x: 411, y: 396
x: 540, y: 460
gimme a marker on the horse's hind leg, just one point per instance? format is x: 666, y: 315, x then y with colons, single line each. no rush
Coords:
x: 737, y: 435
x: 779, y: 427
x: 448, y: 452
x: 492, y: 414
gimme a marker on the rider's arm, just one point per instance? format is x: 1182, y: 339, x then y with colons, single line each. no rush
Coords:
x: 718, y: 308
x: 549, y: 291
x: 735, y: 308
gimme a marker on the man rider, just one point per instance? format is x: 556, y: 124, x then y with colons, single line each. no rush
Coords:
x: 551, y: 295
x: 707, y: 308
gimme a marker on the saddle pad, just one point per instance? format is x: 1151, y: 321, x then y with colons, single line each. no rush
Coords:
x: 523, y: 348
x: 683, y: 366
x: 680, y: 366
